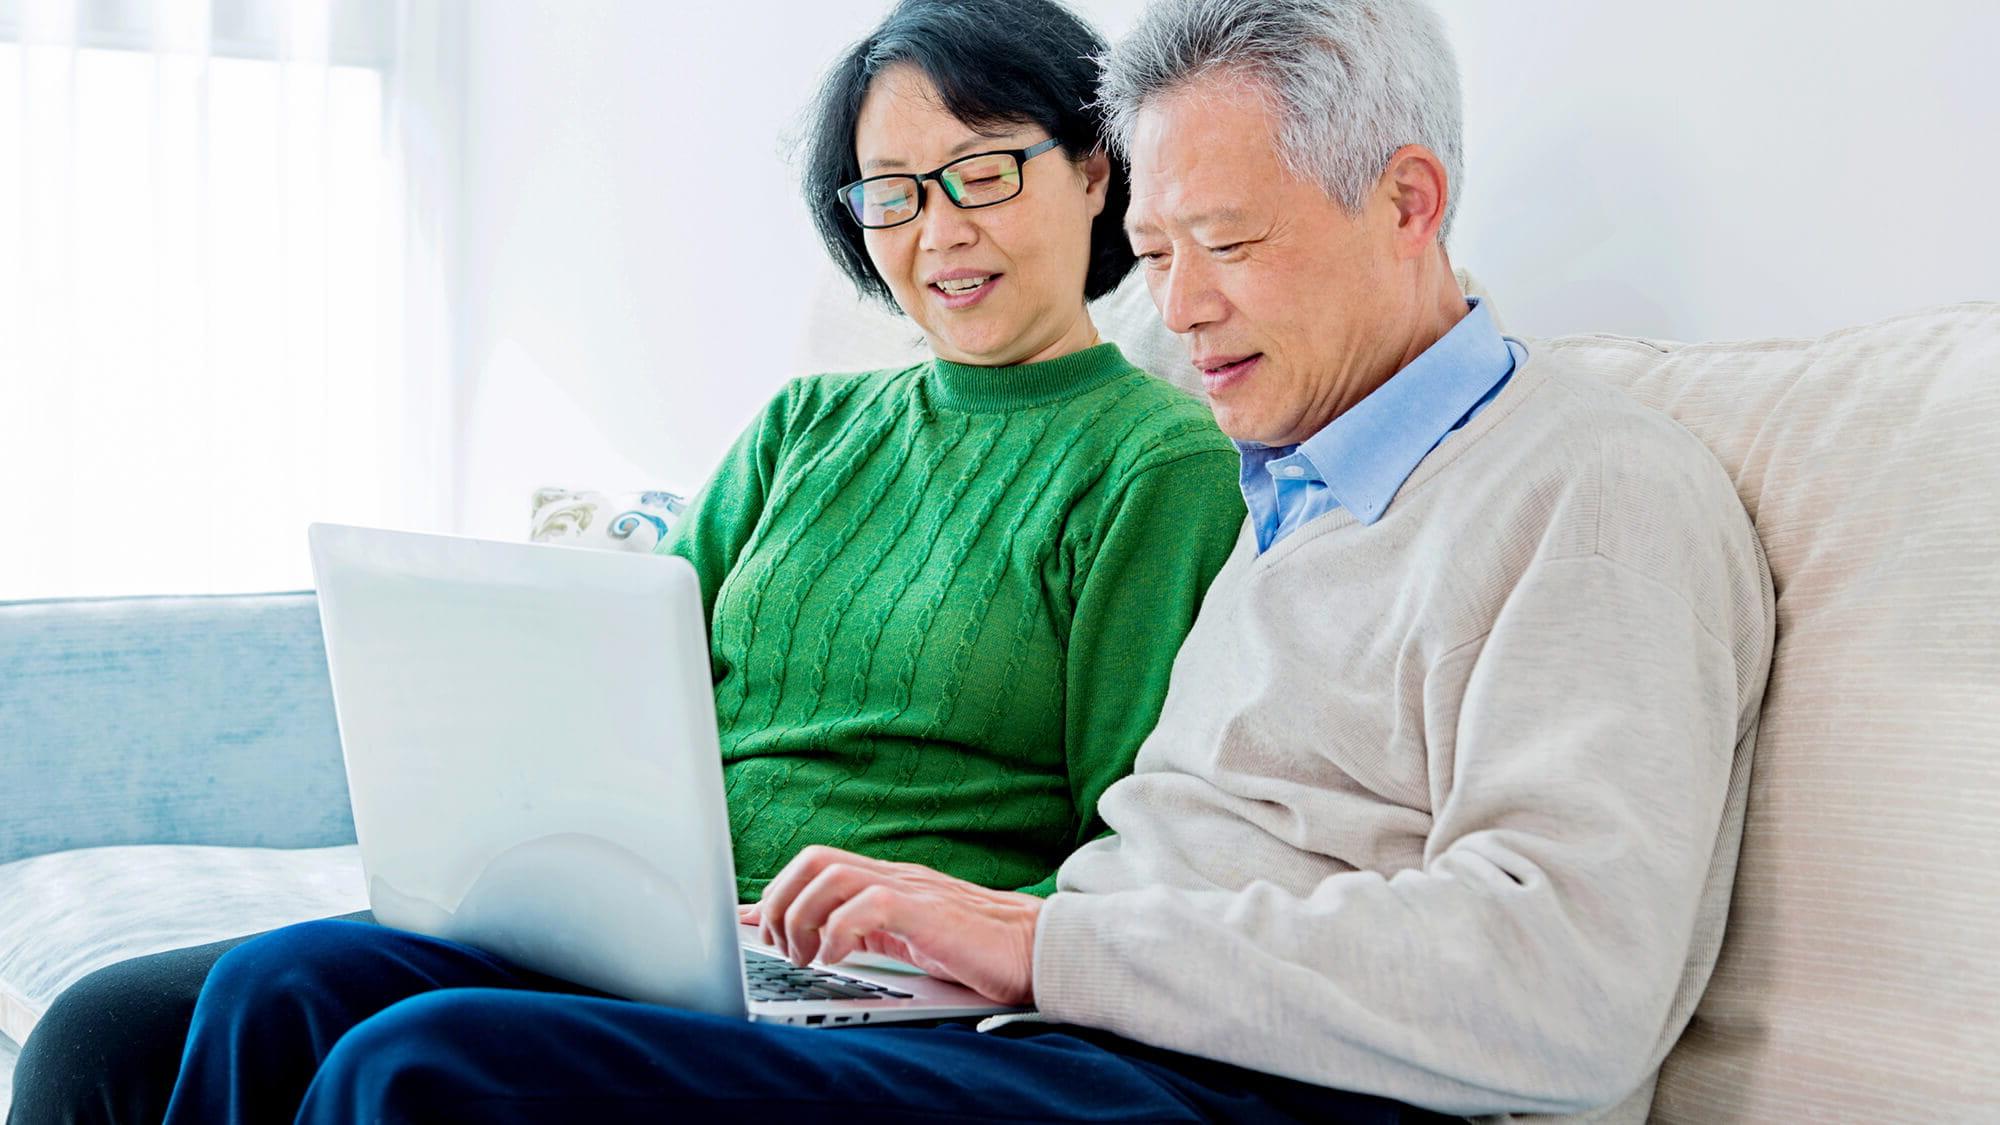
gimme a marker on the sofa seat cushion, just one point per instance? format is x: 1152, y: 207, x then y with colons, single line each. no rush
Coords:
x: 9, y: 1053
x: 71, y: 913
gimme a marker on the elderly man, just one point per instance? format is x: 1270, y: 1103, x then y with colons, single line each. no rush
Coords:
x: 1441, y: 814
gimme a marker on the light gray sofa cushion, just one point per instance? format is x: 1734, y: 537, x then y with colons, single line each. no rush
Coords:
x: 9, y: 1052
x: 74, y: 912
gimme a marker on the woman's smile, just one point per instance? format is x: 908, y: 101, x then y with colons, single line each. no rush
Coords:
x: 962, y: 289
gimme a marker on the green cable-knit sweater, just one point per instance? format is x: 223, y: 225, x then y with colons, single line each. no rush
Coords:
x: 943, y: 603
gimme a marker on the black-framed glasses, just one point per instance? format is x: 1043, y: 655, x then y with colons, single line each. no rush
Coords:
x: 979, y: 180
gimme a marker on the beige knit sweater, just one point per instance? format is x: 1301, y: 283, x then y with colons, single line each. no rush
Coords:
x: 1447, y: 808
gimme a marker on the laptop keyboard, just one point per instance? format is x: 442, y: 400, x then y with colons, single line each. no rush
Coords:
x: 774, y: 978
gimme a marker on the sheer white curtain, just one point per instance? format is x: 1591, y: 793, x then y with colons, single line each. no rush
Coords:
x: 224, y: 285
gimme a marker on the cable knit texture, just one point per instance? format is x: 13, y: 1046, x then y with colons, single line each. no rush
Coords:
x: 944, y: 602
x: 1446, y: 808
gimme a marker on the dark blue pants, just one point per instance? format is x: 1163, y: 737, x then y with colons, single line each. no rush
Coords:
x: 348, y: 1022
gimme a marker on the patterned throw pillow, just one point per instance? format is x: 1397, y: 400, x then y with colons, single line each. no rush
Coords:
x: 607, y: 521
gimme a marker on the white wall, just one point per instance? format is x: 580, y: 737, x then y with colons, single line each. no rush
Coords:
x: 637, y: 260
x: 639, y: 271
x: 1728, y: 168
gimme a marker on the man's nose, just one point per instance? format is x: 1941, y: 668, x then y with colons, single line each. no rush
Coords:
x: 943, y: 224
x: 1186, y: 296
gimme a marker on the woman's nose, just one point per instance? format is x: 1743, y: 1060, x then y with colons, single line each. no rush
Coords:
x: 944, y: 224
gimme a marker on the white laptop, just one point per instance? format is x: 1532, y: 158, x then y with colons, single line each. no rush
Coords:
x: 531, y: 751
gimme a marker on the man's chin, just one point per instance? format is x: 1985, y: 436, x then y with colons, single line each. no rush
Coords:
x: 1240, y: 425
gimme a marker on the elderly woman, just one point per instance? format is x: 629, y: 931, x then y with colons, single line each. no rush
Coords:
x: 944, y: 599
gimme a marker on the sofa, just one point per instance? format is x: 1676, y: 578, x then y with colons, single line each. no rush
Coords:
x: 170, y: 770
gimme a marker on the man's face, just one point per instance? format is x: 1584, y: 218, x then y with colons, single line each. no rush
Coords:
x: 1282, y: 297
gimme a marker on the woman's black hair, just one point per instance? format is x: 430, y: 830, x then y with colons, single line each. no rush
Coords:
x: 994, y: 63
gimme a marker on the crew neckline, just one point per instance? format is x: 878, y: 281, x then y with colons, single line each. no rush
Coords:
x: 968, y: 388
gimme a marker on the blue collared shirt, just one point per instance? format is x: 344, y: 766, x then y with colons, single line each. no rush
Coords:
x: 1360, y: 459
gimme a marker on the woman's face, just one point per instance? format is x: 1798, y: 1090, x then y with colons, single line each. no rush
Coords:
x: 1034, y: 249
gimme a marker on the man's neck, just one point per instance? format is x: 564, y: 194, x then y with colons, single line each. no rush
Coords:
x: 1442, y: 307
x: 1439, y: 313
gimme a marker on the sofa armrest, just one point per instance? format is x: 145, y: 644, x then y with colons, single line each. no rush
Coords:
x: 154, y: 720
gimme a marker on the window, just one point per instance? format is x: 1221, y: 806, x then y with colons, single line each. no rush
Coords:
x: 208, y: 322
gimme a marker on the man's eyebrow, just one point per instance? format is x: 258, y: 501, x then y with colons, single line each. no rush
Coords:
x: 960, y: 149
x: 1220, y: 216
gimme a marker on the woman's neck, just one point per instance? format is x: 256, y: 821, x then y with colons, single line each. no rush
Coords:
x: 1081, y: 334
x: 1076, y: 335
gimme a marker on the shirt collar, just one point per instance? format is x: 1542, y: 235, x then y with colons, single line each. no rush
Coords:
x: 1364, y: 455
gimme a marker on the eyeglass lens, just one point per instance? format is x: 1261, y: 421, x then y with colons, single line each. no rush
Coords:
x: 976, y: 181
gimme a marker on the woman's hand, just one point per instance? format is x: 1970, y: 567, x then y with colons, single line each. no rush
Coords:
x: 828, y: 903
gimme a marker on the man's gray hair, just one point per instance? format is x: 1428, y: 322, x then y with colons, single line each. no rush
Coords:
x: 1348, y: 81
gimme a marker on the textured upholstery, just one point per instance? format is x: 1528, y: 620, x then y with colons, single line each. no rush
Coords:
x: 1857, y: 980
x: 9, y: 1052
x: 78, y: 911
x: 167, y: 720
x: 154, y: 721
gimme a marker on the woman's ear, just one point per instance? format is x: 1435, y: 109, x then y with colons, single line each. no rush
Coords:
x: 1096, y: 170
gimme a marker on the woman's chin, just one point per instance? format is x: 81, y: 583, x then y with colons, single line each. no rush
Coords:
x: 978, y: 349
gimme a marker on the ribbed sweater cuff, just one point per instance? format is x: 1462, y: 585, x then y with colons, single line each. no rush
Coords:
x: 1079, y: 977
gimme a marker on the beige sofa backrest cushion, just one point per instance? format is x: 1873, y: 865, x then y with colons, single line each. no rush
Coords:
x: 1859, y: 977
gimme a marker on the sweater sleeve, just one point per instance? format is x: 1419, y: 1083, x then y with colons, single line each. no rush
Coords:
x: 717, y: 524
x: 1529, y: 964
x: 1170, y: 530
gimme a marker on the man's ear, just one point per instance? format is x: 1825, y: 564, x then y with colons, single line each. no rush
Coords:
x: 1415, y: 183
x: 1096, y: 180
